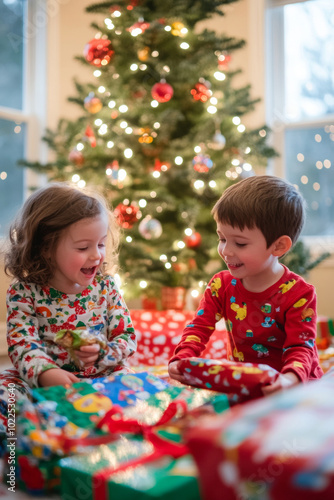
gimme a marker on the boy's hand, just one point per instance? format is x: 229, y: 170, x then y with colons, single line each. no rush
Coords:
x: 175, y: 373
x: 283, y: 381
x: 56, y: 376
x: 88, y: 354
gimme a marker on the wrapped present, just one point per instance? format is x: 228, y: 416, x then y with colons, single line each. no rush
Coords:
x: 244, y: 380
x: 159, y: 332
x: 326, y: 358
x: 325, y: 332
x: 83, y: 401
x: 37, y: 477
x: 63, y: 421
x: 277, y: 447
x: 131, y: 468
x: 44, y: 434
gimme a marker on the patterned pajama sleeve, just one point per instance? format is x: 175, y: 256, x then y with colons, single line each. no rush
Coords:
x: 25, y: 347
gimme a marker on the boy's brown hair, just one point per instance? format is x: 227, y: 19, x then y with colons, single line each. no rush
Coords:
x: 269, y: 203
x: 35, y: 233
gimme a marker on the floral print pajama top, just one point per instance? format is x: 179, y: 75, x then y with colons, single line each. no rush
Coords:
x: 36, y: 313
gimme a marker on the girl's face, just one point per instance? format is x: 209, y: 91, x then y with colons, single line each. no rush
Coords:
x: 246, y: 254
x: 79, y: 254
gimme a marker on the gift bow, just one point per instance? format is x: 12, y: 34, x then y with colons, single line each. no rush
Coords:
x: 116, y: 423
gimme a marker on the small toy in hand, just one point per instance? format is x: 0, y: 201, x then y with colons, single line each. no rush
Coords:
x: 73, y: 340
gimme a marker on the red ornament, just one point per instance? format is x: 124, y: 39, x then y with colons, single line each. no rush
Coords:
x: 161, y: 166
x: 112, y: 171
x: 90, y: 136
x: 126, y: 215
x: 76, y: 157
x: 201, y: 92
x: 223, y: 61
x: 133, y: 3
x: 202, y: 163
x: 192, y: 264
x: 138, y: 28
x: 162, y: 92
x: 98, y: 52
x: 193, y: 241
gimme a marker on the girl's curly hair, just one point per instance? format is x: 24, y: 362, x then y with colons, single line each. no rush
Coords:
x: 35, y: 233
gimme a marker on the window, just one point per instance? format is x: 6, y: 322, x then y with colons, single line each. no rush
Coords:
x: 300, y: 102
x: 22, y: 98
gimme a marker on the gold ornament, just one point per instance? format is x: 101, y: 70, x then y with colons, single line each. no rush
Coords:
x: 177, y: 28
x: 143, y: 54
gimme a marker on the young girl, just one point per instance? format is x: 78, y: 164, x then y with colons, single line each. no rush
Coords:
x: 57, y: 259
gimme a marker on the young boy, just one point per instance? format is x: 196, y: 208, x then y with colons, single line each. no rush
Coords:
x: 270, y: 312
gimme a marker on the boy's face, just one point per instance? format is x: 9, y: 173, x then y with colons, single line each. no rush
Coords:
x: 245, y: 252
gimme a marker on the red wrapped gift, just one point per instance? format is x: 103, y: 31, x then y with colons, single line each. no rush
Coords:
x: 243, y: 379
x: 279, y: 447
x: 159, y: 332
x: 325, y: 332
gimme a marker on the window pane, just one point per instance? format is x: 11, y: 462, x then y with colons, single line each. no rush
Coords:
x: 12, y: 138
x: 309, y: 61
x: 11, y: 53
x: 310, y: 165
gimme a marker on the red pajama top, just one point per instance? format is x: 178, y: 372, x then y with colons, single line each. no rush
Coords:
x: 276, y: 327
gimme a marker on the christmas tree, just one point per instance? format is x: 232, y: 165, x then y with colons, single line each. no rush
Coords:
x: 161, y: 133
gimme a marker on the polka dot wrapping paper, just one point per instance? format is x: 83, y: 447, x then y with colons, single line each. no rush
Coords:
x: 159, y: 332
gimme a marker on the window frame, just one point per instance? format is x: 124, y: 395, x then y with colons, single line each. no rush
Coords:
x: 34, y: 105
x: 274, y: 91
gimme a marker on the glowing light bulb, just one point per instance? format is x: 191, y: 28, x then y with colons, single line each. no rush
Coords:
x: 128, y: 153
x: 219, y: 76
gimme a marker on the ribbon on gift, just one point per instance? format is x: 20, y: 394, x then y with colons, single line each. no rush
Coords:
x: 162, y: 447
x: 114, y: 421
x: 69, y: 445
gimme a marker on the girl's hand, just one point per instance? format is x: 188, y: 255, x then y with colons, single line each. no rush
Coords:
x: 56, y: 376
x: 283, y: 381
x: 88, y: 355
x: 175, y: 373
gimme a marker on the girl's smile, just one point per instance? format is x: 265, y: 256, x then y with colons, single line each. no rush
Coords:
x: 79, y: 254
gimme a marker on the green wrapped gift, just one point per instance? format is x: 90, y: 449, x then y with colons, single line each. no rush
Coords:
x: 129, y: 468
